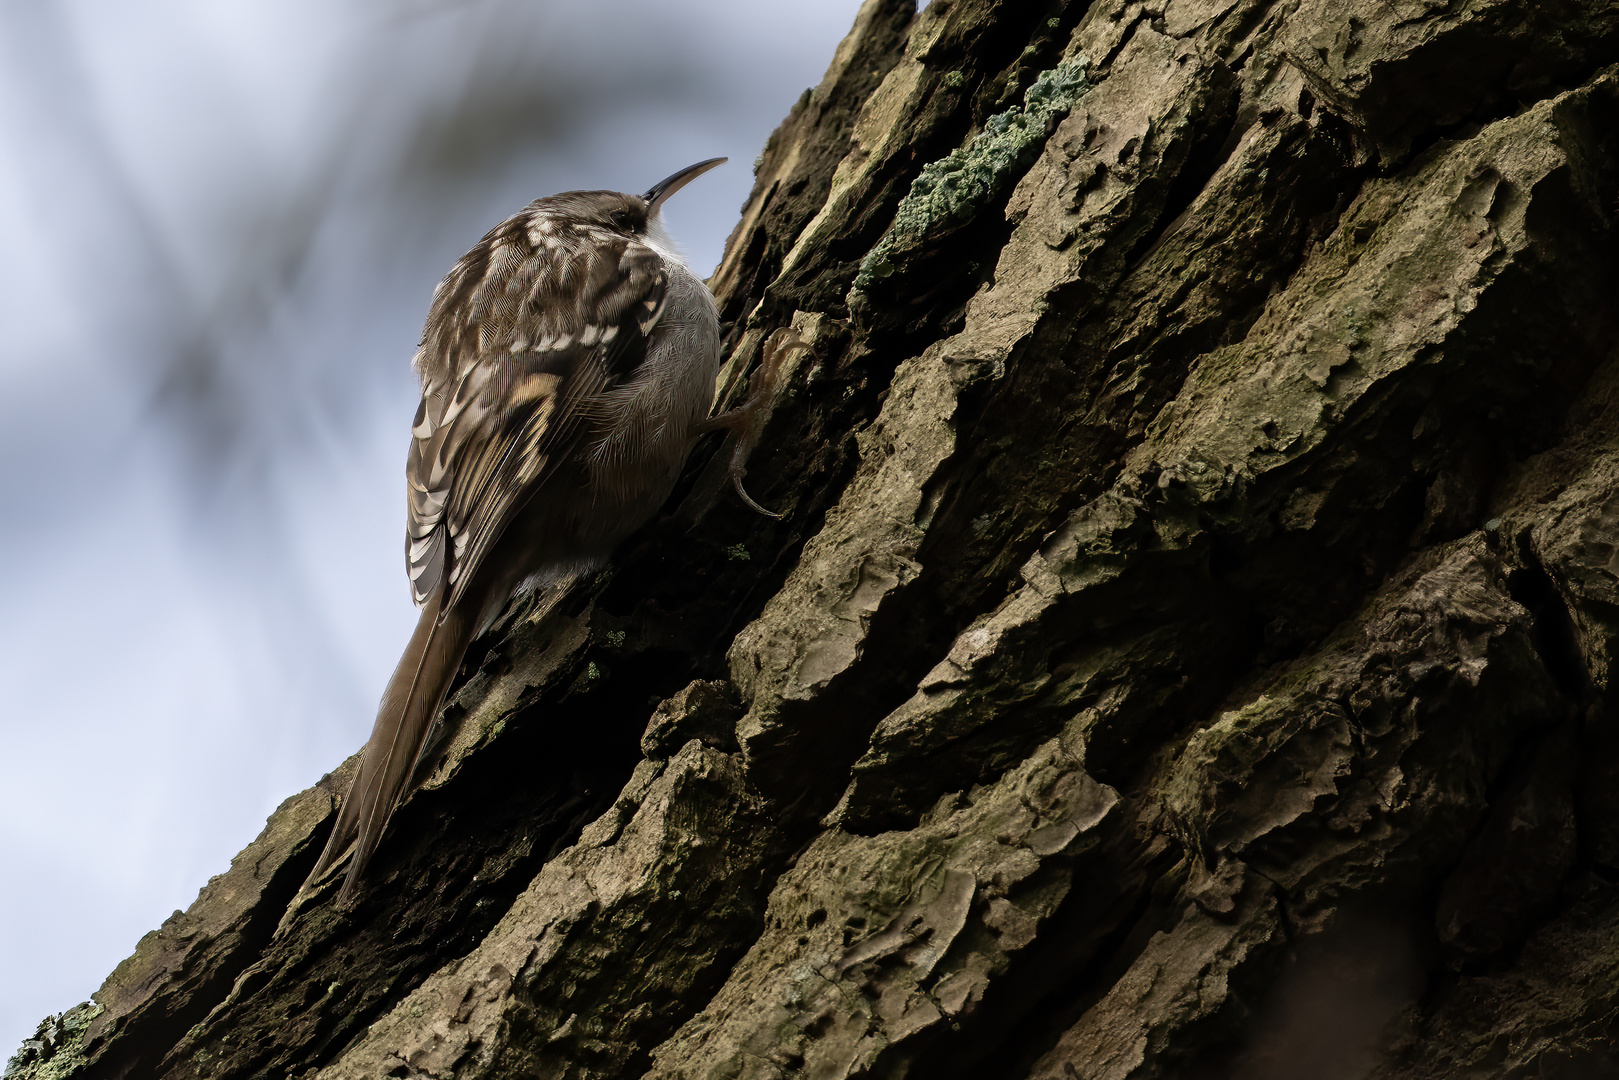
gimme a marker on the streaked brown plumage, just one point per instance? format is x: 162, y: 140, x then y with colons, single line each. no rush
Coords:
x: 567, y: 365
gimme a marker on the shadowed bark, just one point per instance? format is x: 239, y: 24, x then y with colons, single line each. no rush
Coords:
x: 1188, y: 649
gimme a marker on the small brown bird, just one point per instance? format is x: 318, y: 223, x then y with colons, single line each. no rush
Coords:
x: 567, y: 367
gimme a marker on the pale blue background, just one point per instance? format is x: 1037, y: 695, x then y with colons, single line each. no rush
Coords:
x: 220, y: 224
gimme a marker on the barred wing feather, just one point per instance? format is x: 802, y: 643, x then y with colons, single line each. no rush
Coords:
x: 498, y: 409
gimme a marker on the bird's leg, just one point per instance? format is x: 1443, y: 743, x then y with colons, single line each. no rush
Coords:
x: 747, y: 419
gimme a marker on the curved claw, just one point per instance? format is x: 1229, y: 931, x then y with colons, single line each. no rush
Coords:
x: 747, y: 420
x: 742, y: 493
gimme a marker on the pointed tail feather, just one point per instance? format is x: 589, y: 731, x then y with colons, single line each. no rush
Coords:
x: 403, y: 719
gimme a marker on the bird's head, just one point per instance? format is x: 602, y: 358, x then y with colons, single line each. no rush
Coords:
x: 616, y: 211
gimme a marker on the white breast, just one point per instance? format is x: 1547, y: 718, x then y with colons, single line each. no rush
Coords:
x: 649, y: 420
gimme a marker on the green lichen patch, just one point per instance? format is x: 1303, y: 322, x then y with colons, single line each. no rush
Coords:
x: 951, y: 190
x: 54, y: 1051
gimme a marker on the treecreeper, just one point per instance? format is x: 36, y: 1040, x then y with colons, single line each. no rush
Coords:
x: 567, y: 367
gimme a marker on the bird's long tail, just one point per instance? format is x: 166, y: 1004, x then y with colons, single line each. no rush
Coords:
x: 403, y: 720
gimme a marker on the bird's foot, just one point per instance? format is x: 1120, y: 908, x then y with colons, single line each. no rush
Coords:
x: 747, y: 419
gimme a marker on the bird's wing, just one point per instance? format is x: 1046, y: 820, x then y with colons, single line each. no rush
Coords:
x: 527, y: 328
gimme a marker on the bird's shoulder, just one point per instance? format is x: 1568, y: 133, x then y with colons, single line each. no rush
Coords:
x: 543, y: 314
x: 540, y: 281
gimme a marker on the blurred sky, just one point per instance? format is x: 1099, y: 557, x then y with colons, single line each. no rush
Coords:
x: 220, y: 225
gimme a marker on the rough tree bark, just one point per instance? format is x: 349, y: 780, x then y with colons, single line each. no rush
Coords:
x: 1189, y: 649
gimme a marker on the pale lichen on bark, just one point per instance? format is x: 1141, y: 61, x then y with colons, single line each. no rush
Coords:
x: 948, y: 192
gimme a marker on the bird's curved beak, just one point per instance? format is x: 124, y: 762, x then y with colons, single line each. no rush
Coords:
x: 667, y: 187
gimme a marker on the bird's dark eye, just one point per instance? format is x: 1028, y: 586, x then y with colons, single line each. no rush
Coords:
x: 623, y: 219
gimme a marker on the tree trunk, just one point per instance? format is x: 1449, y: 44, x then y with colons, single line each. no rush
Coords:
x: 1188, y: 651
